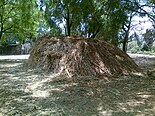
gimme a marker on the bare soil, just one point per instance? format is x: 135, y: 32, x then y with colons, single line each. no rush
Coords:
x: 25, y: 92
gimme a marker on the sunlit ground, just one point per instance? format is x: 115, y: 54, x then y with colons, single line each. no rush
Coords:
x: 25, y: 92
x: 14, y: 57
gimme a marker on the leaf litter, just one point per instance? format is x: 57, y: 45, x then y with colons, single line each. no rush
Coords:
x: 26, y: 92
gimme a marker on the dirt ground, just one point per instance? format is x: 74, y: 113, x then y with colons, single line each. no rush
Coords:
x: 25, y: 92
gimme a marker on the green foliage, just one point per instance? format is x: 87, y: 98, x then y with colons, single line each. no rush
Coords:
x: 96, y: 19
x: 18, y: 18
x: 100, y: 19
x: 151, y: 2
x: 149, y: 37
x: 133, y: 47
x: 62, y: 12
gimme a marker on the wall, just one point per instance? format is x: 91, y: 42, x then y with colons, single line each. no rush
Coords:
x: 10, y: 49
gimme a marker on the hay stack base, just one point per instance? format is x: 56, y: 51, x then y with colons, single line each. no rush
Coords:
x: 75, y: 56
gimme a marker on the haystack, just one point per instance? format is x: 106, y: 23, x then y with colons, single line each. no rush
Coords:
x: 76, y: 56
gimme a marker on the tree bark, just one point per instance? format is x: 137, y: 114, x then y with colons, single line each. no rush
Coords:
x: 126, y: 37
x: 125, y: 42
x: 68, y: 24
x: 1, y: 32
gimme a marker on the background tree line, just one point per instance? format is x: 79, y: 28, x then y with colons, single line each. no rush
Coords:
x: 110, y: 20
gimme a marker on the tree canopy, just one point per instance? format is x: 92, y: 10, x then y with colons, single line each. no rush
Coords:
x: 110, y: 20
x: 18, y: 19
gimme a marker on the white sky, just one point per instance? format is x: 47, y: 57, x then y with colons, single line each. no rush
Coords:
x: 141, y: 23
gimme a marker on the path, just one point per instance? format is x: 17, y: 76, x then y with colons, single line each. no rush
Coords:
x: 3, y: 57
x: 13, y: 57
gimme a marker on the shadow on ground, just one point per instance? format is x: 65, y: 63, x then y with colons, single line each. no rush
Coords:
x: 35, y: 93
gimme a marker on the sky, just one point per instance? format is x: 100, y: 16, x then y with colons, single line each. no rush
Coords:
x: 141, y: 23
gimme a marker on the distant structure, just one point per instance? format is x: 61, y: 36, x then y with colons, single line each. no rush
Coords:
x: 12, y: 49
x: 15, y: 49
x: 26, y: 47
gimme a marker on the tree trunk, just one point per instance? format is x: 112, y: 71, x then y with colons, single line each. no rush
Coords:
x: 125, y: 42
x: 68, y: 24
x: 96, y: 32
x: 128, y: 26
x: 1, y: 32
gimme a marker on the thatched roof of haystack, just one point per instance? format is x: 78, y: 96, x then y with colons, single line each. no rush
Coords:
x: 75, y: 56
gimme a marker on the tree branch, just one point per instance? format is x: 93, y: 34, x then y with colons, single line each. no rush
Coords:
x: 9, y: 13
x: 8, y: 28
x: 152, y: 17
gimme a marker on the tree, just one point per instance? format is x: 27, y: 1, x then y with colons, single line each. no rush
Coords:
x: 116, y: 16
x: 88, y: 18
x: 18, y: 20
x: 6, y: 12
x: 149, y: 37
x: 133, y: 8
x: 62, y: 12
x: 99, y: 19
x: 91, y: 22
